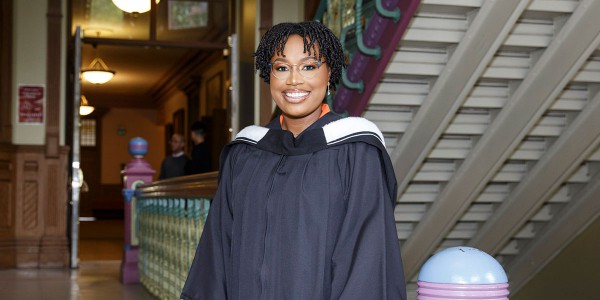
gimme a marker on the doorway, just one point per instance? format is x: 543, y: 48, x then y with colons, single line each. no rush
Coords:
x: 164, y: 61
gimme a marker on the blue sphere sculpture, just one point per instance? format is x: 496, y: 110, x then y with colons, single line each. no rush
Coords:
x: 462, y: 265
x: 138, y: 147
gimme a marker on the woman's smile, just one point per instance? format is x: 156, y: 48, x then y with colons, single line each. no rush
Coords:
x: 295, y: 96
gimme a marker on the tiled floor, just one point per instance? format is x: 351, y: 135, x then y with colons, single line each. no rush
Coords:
x: 94, y: 280
x: 97, y: 278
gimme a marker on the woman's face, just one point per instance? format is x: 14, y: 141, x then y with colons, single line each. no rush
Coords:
x: 298, y: 82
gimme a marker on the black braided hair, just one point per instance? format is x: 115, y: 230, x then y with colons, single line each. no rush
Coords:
x: 314, y: 35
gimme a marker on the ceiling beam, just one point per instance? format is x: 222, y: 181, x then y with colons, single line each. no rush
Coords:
x: 198, y: 45
x: 485, y: 35
x: 121, y: 101
x: 489, y: 28
x: 556, y: 66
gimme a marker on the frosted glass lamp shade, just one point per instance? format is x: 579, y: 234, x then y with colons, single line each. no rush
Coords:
x: 86, y: 110
x: 98, y: 77
x: 133, y: 6
x: 98, y: 72
x: 84, y: 107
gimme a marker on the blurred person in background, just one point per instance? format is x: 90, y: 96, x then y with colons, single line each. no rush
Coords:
x: 174, y: 164
x: 200, y: 161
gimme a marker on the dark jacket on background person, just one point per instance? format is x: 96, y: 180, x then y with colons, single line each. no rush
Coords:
x: 173, y: 166
x: 200, y: 161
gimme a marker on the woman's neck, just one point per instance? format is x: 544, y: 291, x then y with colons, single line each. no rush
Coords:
x: 297, y: 125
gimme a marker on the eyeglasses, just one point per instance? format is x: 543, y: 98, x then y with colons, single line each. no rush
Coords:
x: 307, y: 69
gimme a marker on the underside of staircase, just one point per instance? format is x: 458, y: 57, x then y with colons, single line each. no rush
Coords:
x: 490, y: 112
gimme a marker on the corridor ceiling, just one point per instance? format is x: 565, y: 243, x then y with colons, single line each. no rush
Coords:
x: 150, y: 52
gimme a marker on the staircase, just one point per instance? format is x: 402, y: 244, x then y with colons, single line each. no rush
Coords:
x: 491, y: 114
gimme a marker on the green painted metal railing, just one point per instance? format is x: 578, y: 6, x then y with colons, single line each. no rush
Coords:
x: 369, y: 31
x: 170, y: 216
x: 347, y: 18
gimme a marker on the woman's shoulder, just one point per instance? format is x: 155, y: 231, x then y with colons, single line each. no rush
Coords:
x: 251, y: 134
x: 351, y: 129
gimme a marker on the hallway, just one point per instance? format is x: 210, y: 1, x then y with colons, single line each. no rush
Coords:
x: 100, y: 253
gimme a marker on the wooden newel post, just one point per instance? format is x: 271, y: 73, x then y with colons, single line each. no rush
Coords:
x: 137, y: 172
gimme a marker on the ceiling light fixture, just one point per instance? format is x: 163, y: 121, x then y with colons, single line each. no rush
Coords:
x: 84, y: 108
x: 97, y: 72
x: 134, y: 6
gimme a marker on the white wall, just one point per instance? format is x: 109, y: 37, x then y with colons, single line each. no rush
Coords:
x: 288, y: 11
x: 29, y: 66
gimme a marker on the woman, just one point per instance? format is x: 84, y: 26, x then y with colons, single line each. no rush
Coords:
x: 304, y: 208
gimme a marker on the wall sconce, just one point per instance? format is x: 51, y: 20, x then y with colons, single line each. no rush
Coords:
x: 97, y: 72
x: 134, y: 6
x: 84, y: 108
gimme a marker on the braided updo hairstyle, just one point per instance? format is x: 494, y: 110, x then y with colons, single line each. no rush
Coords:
x: 314, y: 35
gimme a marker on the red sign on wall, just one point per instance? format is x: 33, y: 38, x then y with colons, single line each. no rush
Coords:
x: 31, y: 104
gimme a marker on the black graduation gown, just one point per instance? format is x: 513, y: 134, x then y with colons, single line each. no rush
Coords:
x: 310, y: 217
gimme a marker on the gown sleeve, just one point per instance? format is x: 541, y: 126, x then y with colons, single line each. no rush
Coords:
x: 207, y: 276
x: 366, y: 261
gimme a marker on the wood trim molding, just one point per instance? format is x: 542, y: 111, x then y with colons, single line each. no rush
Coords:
x: 33, y: 207
x: 6, y: 27
x: 265, y: 99
x: 7, y: 173
x: 310, y: 9
x: 193, y: 186
x: 53, y: 78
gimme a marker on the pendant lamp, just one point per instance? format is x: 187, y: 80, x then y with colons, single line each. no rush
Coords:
x: 84, y: 107
x: 133, y: 6
x: 97, y: 72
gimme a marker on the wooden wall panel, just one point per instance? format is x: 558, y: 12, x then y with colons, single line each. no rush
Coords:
x: 54, y: 246
x: 5, y: 204
x: 33, y: 207
x: 51, y: 210
x: 29, y: 183
x: 29, y: 209
x: 5, y: 193
x: 33, y: 189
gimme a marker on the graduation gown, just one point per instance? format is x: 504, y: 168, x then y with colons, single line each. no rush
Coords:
x: 310, y: 217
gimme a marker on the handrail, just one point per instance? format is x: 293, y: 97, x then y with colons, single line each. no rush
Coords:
x: 359, y: 85
x: 192, y: 186
x: 392, y: 14
x: 372, y: 51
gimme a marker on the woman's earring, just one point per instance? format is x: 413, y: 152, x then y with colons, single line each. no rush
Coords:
x: 328, y: 89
